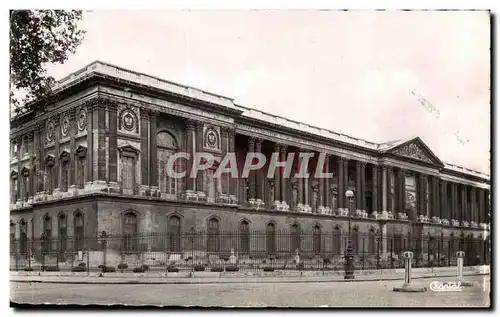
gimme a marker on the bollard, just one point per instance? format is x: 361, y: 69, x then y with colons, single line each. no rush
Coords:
x: 407, y: 286
x: 460, y: 269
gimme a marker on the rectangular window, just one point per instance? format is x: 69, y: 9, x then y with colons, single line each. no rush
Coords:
x: 64, y: 176
x: 81, y: 173
x: 128, y: 172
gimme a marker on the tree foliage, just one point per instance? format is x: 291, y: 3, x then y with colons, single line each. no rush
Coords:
x: 38, y: 37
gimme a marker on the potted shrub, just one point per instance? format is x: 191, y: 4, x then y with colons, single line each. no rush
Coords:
x: 171, y: 268
x: 51, y: 268
x: 216, y: 269
x: 122, y: 266
x: 268, y: 269
x: 108, y: 269
x: 232, y: 268
x: 28, y: 269
x: 199, y: 268
x: 79, y: 269
x: 82, y: 264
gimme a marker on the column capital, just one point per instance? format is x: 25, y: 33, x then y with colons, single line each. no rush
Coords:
x: 251, y: 140
x: 283, y: 148
x: 231, y: 131
x: 224, y: 131
x: 199, y: 126
x: 277, y: 147
x: 386, y: 167
x: 344, y: 159
x: 190, y: 124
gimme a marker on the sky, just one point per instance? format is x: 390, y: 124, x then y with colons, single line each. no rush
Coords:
x: 348, y: 71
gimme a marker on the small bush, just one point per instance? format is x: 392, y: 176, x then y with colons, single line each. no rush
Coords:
x: 139, y: 269
x: 326, y: 261
x: 122, y: 266
x: 82, y: 264
x: 199, y: 268
x: 172, y: 268
x: 232, y: 268
x: 216, y: 269
x: 268, y: 269
x: 100, y: 266
x: 51, y: 269
x: 145, y: 267
x: 28, y: 269
x: 108, y: 269
x: 300, y: 266
x: 79, y: 269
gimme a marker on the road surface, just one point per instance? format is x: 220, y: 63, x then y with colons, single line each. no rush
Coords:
x: 333, y: 294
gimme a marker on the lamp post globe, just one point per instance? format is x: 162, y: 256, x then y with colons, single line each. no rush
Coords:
x: 349, y: 255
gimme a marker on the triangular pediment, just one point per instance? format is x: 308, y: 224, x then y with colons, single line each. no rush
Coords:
x: 416, y: 149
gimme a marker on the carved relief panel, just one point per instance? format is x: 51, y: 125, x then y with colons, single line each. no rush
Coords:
x: 81, y: 120
x: 128, y: 119
x: 211, y: 138
x: 412, y: 150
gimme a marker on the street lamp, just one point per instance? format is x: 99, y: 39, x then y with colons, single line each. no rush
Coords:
x: 349, y: 255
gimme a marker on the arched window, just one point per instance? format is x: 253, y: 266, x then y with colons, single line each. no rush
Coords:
x: 62, y: 222
x: 23, y: 237
x: 174, y: 233
x: 295, y: 239
x: 271, y: 238
x: 79, y: 233
x: 336, y: 240
x: 372, y: 241
x: 166, y: 147
x: 213, y: 235
x: 47, y: 232
x: 12, y: 238
x: 130, y: 232
x: 355, y: 240
x: 244, y: 232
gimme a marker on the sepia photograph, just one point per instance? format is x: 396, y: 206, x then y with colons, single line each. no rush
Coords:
x: 250, y: 158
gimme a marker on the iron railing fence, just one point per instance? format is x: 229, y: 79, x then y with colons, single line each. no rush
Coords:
x: 242, y: 251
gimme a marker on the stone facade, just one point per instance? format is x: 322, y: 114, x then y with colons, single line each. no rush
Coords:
x: 101, y: 148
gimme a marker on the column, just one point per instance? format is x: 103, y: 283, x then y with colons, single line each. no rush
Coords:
x: 224, y: 150
x: 251, y: 183
x: 340, y: 184
x: 389, y: 191
x: 463, y: 199
x: 32, y: 176
x: 36, y: 152
x: 481, y: 212
x: 327, y: 196
x: 375, y: 172
x: 259, y: 185
x: 436, y: 197
x: 72, y: 149
x: 144, y: 149
x: 363, y: 186
x: 300, y: 193
x: 101, y: 141
x: 359, y: 196
x: 443, y: 212
x: 153, y: 155
x: 384, y: 188
x: 90, y: 143
x: 55, y: 169
x: 453, y: 204
x: 199, y: 148
x: 113, y: 144
x: 233, y: 182
x: 486, y: 206
x: 321, y: 188
x: 403, y: 190
x: 346, y: 182
x: 284, y: 180
x: 422, y: 195
x: 190, y: 136
x: 473, y: 214
x: 277, y: 175
x: 40, y: 155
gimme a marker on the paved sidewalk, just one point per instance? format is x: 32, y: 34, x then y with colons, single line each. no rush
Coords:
x: 223, y: 279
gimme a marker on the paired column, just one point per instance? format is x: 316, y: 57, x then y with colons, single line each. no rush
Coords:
x: 199, y: 148
x: 72, y: 150
x: 145, y: 147
x: 251, y: 177
x: 327, y: 196
x: 190, y: 128
x: 481, y: 212
x: 113, y: 143
x: 55, y: 169
x: 232, y: 180
x: 422, y: 194
x: 363, y: 186
x: 153, y: 154
x: 321, y: 187
x: 358, y: 196
x: 340, y: 183
x: 473, y: 204
x: 463, y: 199
x: 259, y: 179
x: 277, y: 176
x: 388, y: 196
x: 284, y: 181
x: 454, y: 201
x: 443, y: 214
x: 375, y: 172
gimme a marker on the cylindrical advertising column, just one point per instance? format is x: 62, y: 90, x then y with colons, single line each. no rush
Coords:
x: 460, y: 265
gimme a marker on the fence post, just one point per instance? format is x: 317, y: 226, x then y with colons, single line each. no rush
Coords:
x: 392, y: 254
x: 363, y: 254
x: 407, y: 286
x: 460, y: 269
x: 378, y: 252
x: 429, y: 264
